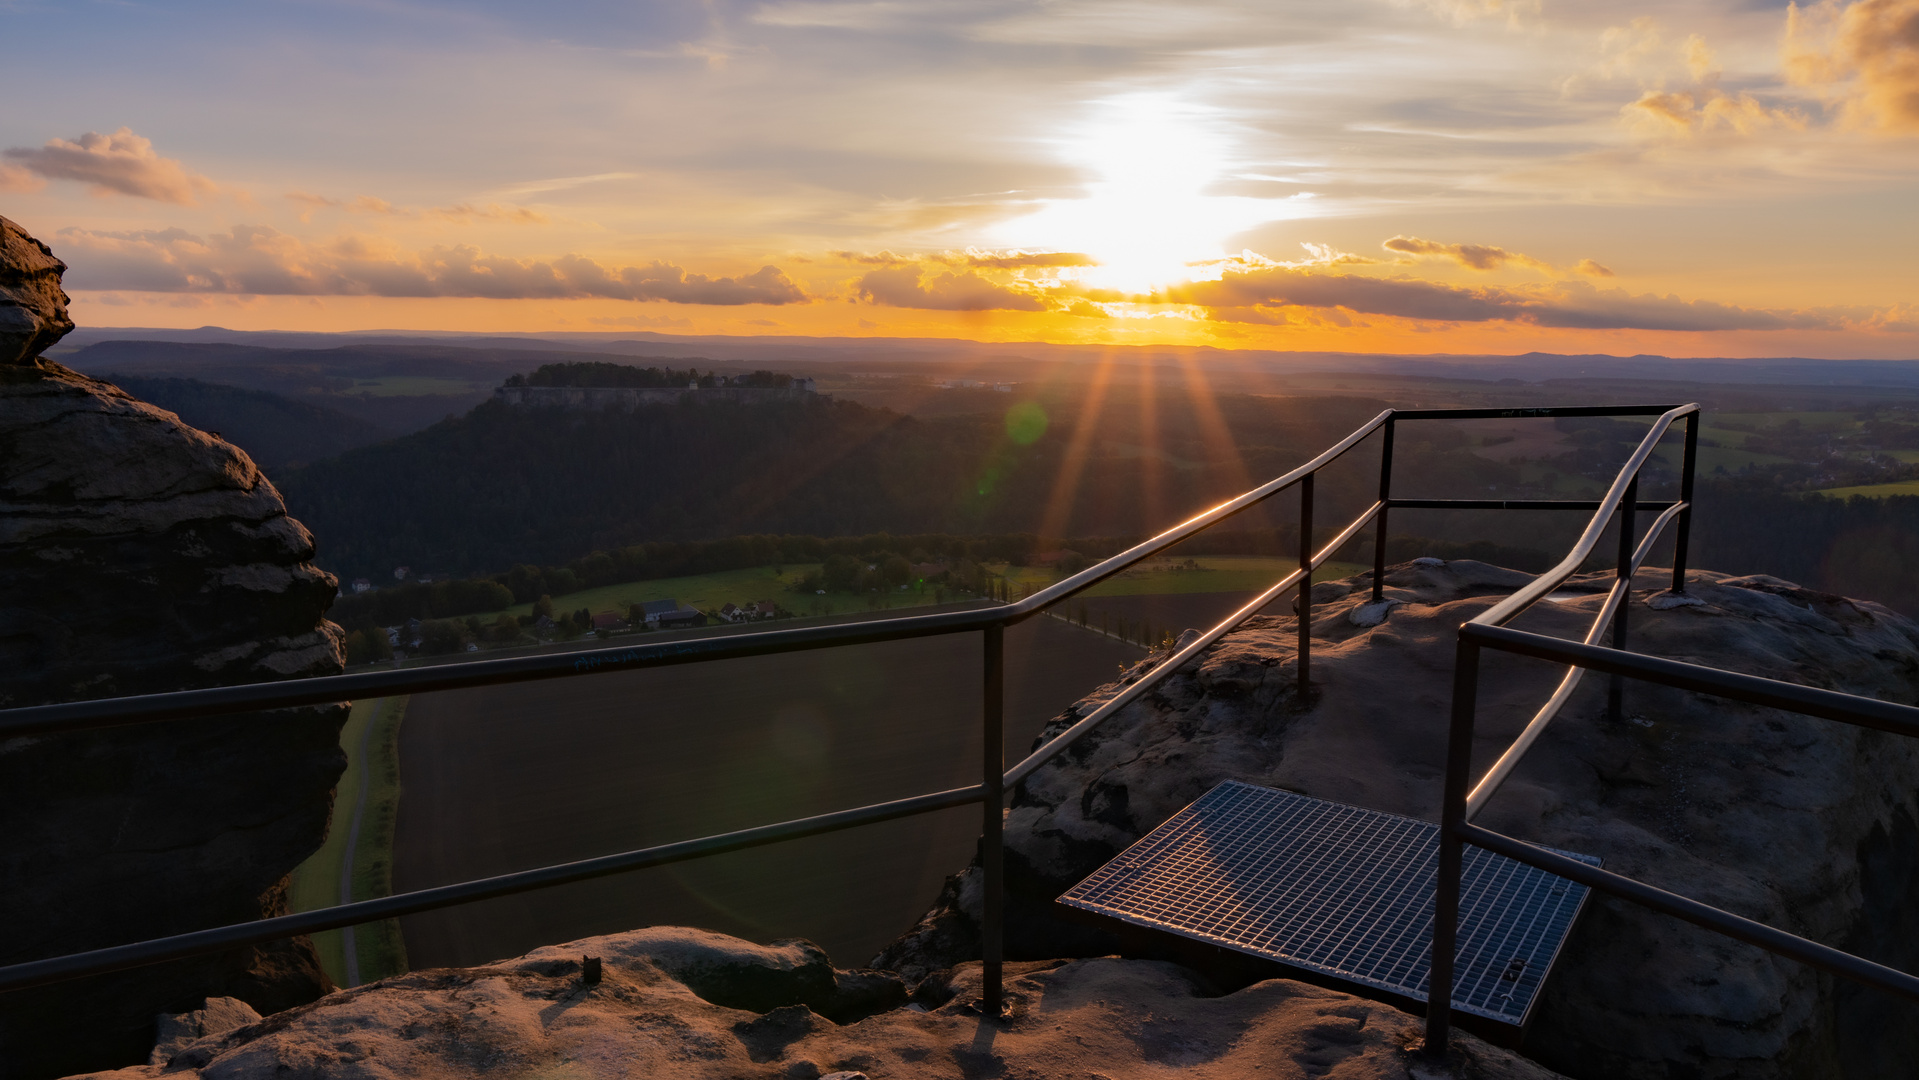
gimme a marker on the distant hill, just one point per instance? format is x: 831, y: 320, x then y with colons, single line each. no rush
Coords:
x: 395, y: 387
x: 275, y: 431
x: 505, y: 485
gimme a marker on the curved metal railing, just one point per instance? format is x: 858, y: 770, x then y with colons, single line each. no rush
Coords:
x: 1488, y: 630
x: 990, y: 621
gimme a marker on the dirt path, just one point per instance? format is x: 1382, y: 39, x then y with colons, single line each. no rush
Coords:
x: 511, y: 777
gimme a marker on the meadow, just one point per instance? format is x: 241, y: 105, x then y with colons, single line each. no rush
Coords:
x: 1874, y: 491
x: 1174, y: 576
x: 1155, y: 577
x: 709, y: 591
x: 370, y: 789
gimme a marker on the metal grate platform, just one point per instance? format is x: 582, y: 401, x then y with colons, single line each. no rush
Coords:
x: 1339, y: 890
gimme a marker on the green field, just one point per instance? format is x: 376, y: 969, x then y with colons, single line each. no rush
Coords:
x: 1224, y: 573
x: 375, y: 725
x: 1874, y: 491
x: 1216, y: 573
x: 709, y: 591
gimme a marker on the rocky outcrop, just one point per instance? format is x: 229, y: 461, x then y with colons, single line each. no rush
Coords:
x: 1805, y: 824
x: 672, y: 1002
x: 139, y: 555
x: 33, y: 307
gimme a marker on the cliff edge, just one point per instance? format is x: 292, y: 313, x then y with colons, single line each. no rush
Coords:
x: 139, y: 555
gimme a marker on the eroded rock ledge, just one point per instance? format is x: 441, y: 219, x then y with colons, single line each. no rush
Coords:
x: 691, y: 1004
x: 139, y: 555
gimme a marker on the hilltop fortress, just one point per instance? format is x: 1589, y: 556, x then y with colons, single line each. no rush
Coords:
x: 598, y: 387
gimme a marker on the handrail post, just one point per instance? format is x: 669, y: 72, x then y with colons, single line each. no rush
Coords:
x: 1305, y: 583
x: 1683, y: 536
x: 1452, y: 815
x: 1627, y: 519
x: 1385, y: 504
x: 992, y: 851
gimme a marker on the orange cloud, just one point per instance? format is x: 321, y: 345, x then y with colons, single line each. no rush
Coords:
x: 1016, y: 259
x: 1476, y: 256
x: 122, y: 163
x: 899, y: 286
x: 1591, y: 269
x: 973, y: 257
x: 1684, y: 112
x: 1864, y: 54
x: 257, y: 260
x: 1256, y: 296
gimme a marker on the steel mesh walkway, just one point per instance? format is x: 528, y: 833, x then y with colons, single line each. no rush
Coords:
x: 1339, y: 890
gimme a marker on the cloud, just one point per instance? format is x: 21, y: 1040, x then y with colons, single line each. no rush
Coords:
x: 1252, y: 296
x: 15, y: 178
x: 1016, y: 259
x: 1699, y: 57
x: 900, y: 286
x: 879, y: 258
x: 1687, y: 112
x: 1863, y: 54
x: 1476, y: 256
x: 121, y: 162
x: 258, y: 260
x: 1461, y: 12
x: 459, y: 213
x: 1591, y: 269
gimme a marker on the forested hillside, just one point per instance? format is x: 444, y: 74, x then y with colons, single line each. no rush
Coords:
x: 502, y: 485
x: 272, y: 429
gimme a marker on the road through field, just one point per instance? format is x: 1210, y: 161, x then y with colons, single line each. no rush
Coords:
x: 510, y: 777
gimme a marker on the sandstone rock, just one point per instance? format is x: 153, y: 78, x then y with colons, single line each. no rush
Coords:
x: 33, y: 308
x: 756, y: 978
x: 1082, y: 1018
x: 177, y: 1031
x: 139, y: 555
x: 1805, y: 824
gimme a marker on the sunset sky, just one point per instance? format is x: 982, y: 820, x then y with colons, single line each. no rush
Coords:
x: 1694, y: 179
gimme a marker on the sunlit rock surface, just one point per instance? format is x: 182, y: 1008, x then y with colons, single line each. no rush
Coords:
x: 33, y: 307
x: 673, y: 1002
x: 140, y: 555
x: 1802, y: 823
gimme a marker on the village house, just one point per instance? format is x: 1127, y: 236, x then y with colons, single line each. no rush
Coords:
x: 669, y: 615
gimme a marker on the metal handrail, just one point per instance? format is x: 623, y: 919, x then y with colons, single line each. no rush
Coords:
x: 120, y: 957
x: 1504, y: 611
x: 989, y: 793
x: 1458, y: 806
x: 1483, y: 792
x: 1052, y: 747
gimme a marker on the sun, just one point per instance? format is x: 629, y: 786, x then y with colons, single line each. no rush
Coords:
x: 1149, y: 218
